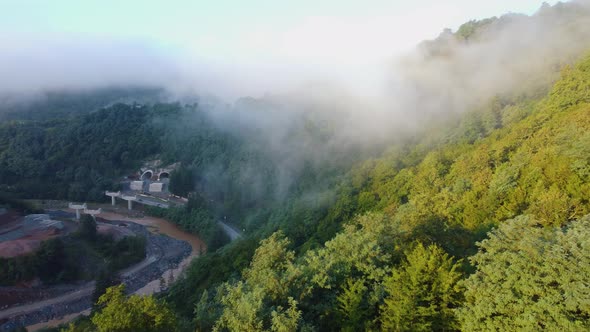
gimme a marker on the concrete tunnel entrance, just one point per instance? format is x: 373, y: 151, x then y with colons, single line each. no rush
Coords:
x: 147, y: 175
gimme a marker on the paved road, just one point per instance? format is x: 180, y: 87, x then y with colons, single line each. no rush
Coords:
x: 153, y: 201
x: 230, y: 231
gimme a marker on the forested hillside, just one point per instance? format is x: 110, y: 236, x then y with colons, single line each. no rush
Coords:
x: 75, y: 158
x: 51, y: 105
x: 405, y: 258
x: 475, y: 217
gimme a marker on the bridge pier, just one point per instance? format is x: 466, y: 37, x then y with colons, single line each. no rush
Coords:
x: 77, y: 207
x: 113, y: 195
x: 93, y: 213
x: 129, y: 200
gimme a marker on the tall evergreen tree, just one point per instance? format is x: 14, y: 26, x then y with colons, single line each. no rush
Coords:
x: 422, y: 293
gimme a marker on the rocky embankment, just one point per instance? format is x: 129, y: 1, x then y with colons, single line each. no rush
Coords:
x: 162, y: 254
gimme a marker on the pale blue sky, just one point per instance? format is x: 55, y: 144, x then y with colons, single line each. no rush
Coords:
x: 240, y: 46
x: 294, y: 30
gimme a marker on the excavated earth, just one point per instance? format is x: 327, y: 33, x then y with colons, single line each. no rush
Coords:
x: 32, y: 303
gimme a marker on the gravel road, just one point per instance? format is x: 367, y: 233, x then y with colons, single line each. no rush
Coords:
x: 162, y: 253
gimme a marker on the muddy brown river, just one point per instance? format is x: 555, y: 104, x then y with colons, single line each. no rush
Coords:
x: 156, y: 225
x: 163, y: 226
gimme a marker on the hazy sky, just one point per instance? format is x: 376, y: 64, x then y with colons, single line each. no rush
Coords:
x: 250, y: 37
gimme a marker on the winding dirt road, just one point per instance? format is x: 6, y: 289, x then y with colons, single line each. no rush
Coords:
x: 157, y: 225
x: 85, y: 290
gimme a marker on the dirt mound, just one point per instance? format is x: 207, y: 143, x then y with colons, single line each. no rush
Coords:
x: 18, y: 247
x: 27, y: 244
x: 8, y: 217
x: 116, y: 231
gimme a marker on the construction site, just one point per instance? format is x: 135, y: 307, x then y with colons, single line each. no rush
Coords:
x: 33, y: 302
x: 149, y: 186
x: 21, y: 235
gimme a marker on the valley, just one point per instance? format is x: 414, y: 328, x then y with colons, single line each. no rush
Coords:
x: 168, y: 252
x: 332, y: 166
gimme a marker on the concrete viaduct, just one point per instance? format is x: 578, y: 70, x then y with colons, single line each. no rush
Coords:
x: 84, y: 208
x: 141, y: 199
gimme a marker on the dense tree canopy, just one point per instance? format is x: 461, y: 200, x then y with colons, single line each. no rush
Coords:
x: 133, y: 313
x: 437, y: 196
x: 422, y: 293
x: 478, y: 222
x: 530, y: 277
x: 75, y: 159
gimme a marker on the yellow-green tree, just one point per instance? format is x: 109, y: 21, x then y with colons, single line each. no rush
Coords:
x: 133, y: 313
x: 258, y: 301
x: 422, y: 293
x: 530, y: 278
x: 352, y: 305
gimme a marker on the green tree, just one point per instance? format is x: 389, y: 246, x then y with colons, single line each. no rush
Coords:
x: 134, y: 313
x: 530, y: 278
x: 51, y: 258
x: 249, y: 303
x: 82, y: 324
x: 422, y: 293
x: 182, y: 181
x: 352, y: 305
x: 286, y: 320
x: 105, y: 279
x: 206, y: 312
x: 87, y: 228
